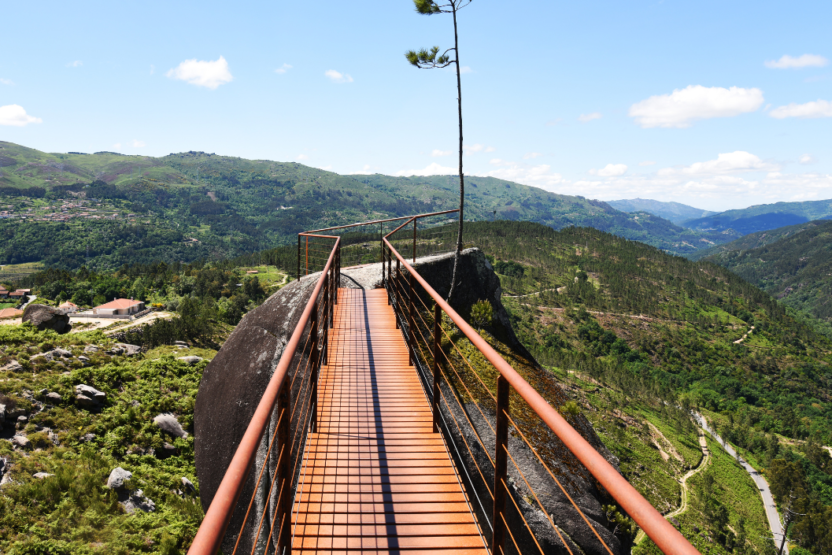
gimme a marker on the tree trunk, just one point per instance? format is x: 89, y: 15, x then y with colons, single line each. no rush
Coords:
x: 461, y: 175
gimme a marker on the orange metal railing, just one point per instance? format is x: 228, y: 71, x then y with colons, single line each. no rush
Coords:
x: 476, y: 419
x: 482, y: 419
x: 289, y: 405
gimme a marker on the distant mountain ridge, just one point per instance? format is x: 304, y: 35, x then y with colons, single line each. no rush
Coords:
x: 196, y: 205
x: 763, y: 217
x: 673, y: 211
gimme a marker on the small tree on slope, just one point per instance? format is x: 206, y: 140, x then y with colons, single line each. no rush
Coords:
x: 431, y: 59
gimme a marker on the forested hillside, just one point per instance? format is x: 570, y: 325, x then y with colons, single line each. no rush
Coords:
x: 796, y: 267
x: 107, y: 209
x: 635, y: 332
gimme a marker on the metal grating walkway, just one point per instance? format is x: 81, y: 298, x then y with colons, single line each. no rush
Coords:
x: 375, y: 477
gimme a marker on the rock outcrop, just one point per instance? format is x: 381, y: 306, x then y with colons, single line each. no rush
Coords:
x: 234, y: 381
x: 230, y: 390
x: 47, y: 318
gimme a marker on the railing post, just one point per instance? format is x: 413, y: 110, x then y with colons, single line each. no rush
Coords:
x: 414, y: 240
x: 298, y: 274
x: 315, y: 355
x: 500, y: 466
x: 437, y: 344
x: 410, y: 320
x: 389, y: 271
x: 307, y: 255
x: 284, y: 503
x: 398, y: 306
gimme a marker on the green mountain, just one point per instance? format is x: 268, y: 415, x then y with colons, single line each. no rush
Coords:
x: 107, y: 209
x: 795, y: 266
x: 764, y: 217
x: 673, y: 211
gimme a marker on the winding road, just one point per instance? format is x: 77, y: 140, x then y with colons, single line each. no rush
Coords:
x: 768, y: 500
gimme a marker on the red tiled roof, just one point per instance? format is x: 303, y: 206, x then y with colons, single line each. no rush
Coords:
x: 10, y: 313
x: 120, y: 303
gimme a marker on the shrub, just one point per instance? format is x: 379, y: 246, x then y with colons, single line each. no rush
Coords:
x: 481, y: 314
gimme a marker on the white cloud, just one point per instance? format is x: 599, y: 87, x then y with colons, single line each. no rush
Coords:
x: 209, y: 74
x: 138, y: 144
x: 437, y: 153
x: 531, y: 155
x: 647, y: 163
x: 806, y: 60
x: 283, y: 69
x: 301, y: 157
x: 466, y: 69
x: 117, y: 146
x: 6, y: 82
x: 76, y: 63
x: 553, y: 122
x: 610, y: 170
x: 16, y: 116
x: 684, y: 106
x: 338, y: 77
x: 432, y: 169
x: 807, y: 159
x: 816, y: 109
x: 490, y: 149
x: 589, y: 117
x: 726, y: 163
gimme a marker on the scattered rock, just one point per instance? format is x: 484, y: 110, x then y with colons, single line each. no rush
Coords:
x: 47, y: 318
x: 89, y: 349
x: 13, y: 366
x: 135, y: 403
x: 125, y: 349
x: 188, y: 486
x: 137, y: 500
x: 88, y: 396
x: 47, y: 356
x: 22, y: 420
x: 674, y: 522
x: 169, y: 424
x: 117, y: 478
x: 53, y: 397
x: 2, y: 415
x: 190, y: 359
x: 181, y: 344
x: 61, y: 352
x: 53, y: 437
x: 88, y: 438
x: 84, y: 360
x: 42, y: 392
x: 42, y: 475
x: 22, y: 442
x: 166, y: 451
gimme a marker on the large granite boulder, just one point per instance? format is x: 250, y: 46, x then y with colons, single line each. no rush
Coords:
x: 47, y: 318
x: 230, y: 391
x: 235, y: 380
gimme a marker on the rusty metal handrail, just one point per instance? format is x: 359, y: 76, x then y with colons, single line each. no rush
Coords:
x: 314, y: 232
x: 212, y: 530
x: 665, y: 536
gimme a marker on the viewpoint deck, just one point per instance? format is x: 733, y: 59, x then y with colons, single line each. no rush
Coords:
x: 376, y: 478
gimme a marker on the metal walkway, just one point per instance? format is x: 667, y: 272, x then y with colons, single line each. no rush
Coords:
x: 376, y: 478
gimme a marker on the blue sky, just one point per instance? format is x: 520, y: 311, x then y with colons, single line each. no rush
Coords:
x: 715, y: 104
